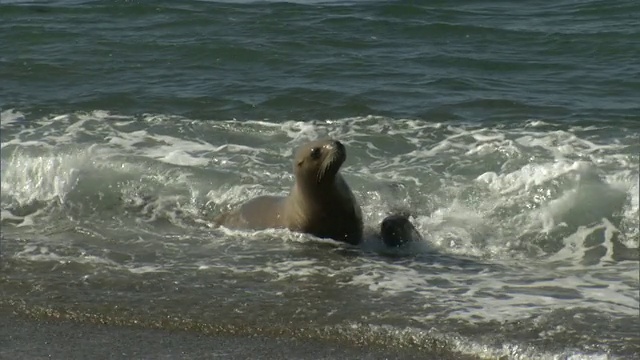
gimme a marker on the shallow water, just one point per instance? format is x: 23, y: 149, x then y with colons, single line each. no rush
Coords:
x: 104, y: 214
x: 510, y: 131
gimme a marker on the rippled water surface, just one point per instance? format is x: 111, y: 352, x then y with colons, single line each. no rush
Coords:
x: 510, y: 131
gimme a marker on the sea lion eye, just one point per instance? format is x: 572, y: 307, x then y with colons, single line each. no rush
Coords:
x: 315, y: 153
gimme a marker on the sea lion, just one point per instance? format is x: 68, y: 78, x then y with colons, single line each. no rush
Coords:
x: 319, y: 203
x: 397, y: 230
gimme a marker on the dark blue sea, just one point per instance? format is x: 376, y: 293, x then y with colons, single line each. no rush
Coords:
x: 509, y: 130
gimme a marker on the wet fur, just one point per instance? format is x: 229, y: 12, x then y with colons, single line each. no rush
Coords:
x: 397, y: 230
x: 320, y: 202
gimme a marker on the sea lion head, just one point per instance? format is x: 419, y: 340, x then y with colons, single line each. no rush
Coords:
x: 318, y: 162
x: 397, y: 230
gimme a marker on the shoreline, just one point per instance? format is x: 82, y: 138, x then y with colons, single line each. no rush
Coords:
x: 28, y: 338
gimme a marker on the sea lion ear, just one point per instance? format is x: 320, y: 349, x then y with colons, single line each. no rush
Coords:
x: 300, y: 163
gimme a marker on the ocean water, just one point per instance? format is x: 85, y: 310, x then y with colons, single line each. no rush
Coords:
x: 511, y: 131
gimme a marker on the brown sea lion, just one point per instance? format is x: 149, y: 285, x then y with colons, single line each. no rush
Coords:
x: 319, y: 203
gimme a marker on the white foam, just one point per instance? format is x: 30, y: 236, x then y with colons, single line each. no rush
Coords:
x: 37, y: 253
x: 491, y: 193
x: 146, y: 269
x: 519, y: 352
x: 7, y: 215
x: 27, y: 179
x: 11, y: 116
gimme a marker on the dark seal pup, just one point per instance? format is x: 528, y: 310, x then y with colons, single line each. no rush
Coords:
x: 397, y: 230
x: 320, y: 202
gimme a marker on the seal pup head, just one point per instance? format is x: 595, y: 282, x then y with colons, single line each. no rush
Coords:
x: 397, y: 230
x: 317, y: 162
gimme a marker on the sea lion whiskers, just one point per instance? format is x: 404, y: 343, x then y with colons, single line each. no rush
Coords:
x: 332, y: 161
x: 328, y: 164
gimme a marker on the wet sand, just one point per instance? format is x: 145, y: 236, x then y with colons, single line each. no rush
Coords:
x: 26, y: 338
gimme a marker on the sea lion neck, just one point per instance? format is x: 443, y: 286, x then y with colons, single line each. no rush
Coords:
x: 314, y: 189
